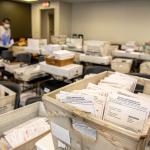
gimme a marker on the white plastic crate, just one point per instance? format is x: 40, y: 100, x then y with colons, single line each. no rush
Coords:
x: 121, y: 65
x: 69, y: 71
x: 95, y: 59
x: 145, y: 68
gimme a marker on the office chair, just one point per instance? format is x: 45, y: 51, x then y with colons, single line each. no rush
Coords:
x: 26, y: 58
x: 32, y: 100
x: 95, y: 69
x: 7, y: 55
x: 52, y: 85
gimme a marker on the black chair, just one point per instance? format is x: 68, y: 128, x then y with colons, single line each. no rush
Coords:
x: 26, y: 58
x: 33, y: 100
x: 2, y: 49
x: 41, y: 58
x: 95, y: 69
x: 52, y: 85
x: 7, y: 55
x: 14, y: 87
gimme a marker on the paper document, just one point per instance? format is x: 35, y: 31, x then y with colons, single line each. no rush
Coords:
x: 128, y: 112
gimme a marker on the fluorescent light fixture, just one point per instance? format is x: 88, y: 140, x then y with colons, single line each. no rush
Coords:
x: 30, y: 0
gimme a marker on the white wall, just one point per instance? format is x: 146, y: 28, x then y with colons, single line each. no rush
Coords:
x: 36, y: 18
x: 116, y: 21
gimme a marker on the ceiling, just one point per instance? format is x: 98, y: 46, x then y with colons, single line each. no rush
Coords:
x: 70, y: 1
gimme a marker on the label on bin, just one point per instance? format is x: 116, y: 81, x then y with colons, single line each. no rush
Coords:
x: 61, y: 133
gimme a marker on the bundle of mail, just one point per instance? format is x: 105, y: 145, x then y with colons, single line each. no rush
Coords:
x: 131, y: 46
x: 35, y: 45
x: 24, y: 133
x: 29, y: 73
x: 50, y: 48
x: 62, y: 54
x: 58, y: 39
x: 97, y: 48
x: 111, y: 100
x: 74, y: 43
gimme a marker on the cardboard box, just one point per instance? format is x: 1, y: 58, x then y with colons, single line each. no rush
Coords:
x: 57, y: 62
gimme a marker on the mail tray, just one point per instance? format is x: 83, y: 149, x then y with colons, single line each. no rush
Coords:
x: 57, y: 62
x: 16, y: 117
x: 121, y: 65
x: 108, y: 136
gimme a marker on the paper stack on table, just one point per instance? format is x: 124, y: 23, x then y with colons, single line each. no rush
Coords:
x: 63, y: 54
x: 49, y: 49
x: 130, y: 46
x: 74, y: 43
x: 97, y: 48
x: 69, y: 71
x: 29, y: 72
x: 26, y: 131
x: 35, y: 45
x: 105, y: 60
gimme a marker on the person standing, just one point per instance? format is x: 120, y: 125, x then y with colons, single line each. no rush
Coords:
x: 5, y: 34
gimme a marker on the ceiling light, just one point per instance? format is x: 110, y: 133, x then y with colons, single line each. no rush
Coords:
x: 30, y: 0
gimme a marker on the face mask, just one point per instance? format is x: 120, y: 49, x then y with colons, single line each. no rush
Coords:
x: 6, y: 26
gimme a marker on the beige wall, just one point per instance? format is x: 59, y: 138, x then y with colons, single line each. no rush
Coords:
x: 116, y: 21
x: 36, y: 18
x: 63, y: 18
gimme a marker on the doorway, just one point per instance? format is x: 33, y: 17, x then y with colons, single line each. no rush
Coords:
x: 47, y: 24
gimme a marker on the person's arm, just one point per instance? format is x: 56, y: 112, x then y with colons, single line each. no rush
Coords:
x: 0, y: 33
x: 10, y: 33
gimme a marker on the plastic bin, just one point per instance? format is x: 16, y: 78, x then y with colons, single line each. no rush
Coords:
x: 7, y: 99
x: 145, y: 68
x: 19, y: 116
x: 108, y: 136
x: 121, y: 65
